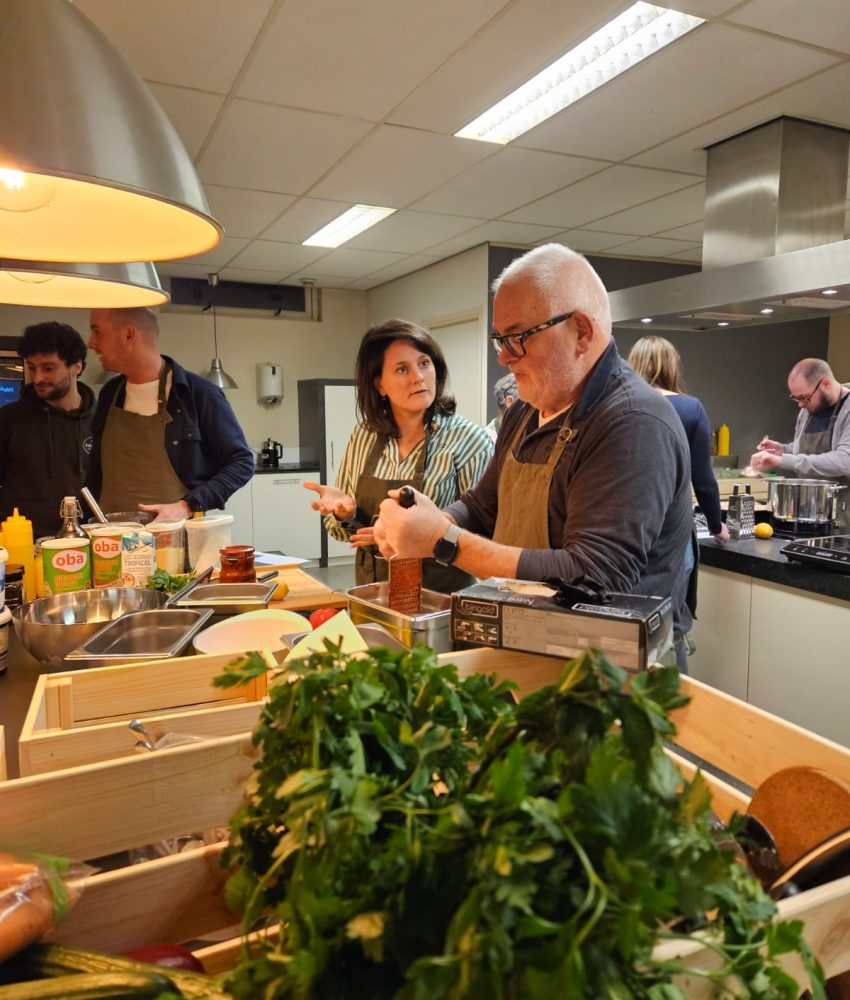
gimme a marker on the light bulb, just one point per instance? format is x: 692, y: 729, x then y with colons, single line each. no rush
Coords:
x: 23, y: 192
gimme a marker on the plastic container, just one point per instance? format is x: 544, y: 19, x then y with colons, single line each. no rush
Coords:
x: 138, y: 557
x: 18, y: 540
x: 5, y: 621
x: 4, y: 558
x: 205, y: 537
x: 170, y: 540
x: 66, y: 563
x: 723, y: 439
x: 237, y: 564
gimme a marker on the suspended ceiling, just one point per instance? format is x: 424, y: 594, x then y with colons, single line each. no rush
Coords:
x: 294, y: 110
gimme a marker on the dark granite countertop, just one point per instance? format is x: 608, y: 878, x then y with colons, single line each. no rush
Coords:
x: 762, y: 558
x: 265, y: 470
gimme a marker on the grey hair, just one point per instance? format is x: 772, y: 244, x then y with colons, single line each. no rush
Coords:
x: 564, y: 278
x: 812, y: 370
x: 504, y: 387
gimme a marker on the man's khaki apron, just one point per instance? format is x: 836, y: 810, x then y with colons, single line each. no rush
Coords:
x: 136, y: 466
x: 369, y: 566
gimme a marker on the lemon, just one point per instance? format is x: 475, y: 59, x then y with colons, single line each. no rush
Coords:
x: 282, y: 589
x: 763, y: 530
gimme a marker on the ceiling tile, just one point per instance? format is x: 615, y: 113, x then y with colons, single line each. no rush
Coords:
x: 305, y: 217
x: 193, y: 43
x: 825, y: 24
x: 712, y: 55
x: 653, y: 246
x: 587, y: 241
x: 493, y: 63
x: 822, y: 98
x: 498, y: 231
x: 337, y: 57
x: 263, y: 255
x: 276, y: 149
x: 693, y: 233
x: 506, y: 180
x: 398, y: 165
x: 610, y: 190
x: 661, y: 213
x: 410, y: 232
x: 414, y: 262
x: 191, y: 112
x: 245, y: 213
x: 692, y: 256
x: 344, y: 263
x: 320, y: 279
x: 220, y: 255
x: 256, y: 277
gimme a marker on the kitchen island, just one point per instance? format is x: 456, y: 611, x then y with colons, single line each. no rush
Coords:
x: 775, y: 633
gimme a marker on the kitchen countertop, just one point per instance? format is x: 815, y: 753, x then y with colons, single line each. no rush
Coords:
x: 265, y: 470
x: 762, y: 558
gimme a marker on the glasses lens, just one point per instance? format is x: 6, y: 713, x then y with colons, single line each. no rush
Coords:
x: 510, y: 344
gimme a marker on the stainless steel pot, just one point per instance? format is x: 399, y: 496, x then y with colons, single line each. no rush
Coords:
x: 814, y: 501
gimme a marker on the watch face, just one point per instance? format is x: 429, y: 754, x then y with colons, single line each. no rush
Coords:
x: 445, y: 551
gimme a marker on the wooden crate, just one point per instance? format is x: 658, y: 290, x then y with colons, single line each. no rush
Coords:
x: 81, y: 716
x: 97, y: 809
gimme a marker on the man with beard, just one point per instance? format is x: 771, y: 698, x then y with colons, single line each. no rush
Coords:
x: 45, y: 437
x: 821, y: 445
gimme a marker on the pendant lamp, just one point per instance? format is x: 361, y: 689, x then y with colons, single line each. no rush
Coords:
x: 79, y: 286
x: 217, y: 375
x: 91, y: 169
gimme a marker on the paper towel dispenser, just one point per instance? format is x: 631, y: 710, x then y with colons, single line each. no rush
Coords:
x: 269, y: 382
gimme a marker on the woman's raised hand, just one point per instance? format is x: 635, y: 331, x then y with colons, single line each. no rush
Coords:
x: 331, y: 501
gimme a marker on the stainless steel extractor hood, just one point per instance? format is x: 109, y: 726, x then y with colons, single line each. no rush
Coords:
x: 773, y: 249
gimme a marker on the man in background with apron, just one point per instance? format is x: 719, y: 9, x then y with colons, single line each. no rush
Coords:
x: 821, y: 445
x: 591, y: 475
x: 165, y: 440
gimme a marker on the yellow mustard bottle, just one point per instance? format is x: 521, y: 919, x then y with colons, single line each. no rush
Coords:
x: 17, y: 534
x: 723, y: 440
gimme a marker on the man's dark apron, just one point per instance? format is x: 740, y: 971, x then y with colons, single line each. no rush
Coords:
x: 818, y: 442
x: 369, y: 567
x: 523, y: 516
x: 136, y: 466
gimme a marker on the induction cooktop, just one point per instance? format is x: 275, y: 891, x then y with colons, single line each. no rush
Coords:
x: 831, y: 552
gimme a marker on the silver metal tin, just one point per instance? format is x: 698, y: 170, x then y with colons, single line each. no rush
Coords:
x: 368, y: 603
x: 375, y: 636
x: 813, y: 501
x: 228, y: 598
x: 156, y: 634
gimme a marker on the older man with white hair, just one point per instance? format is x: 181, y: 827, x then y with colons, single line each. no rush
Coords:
x: 591, y: 475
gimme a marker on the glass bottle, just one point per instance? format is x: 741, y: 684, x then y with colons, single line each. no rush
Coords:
x: 70, y: 512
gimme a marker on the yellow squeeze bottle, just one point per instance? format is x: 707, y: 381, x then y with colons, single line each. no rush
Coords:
x: 723, y: 440
x: 17, y: 533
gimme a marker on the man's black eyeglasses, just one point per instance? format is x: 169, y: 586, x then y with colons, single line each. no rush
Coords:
x: 805, y: 400
x: 514, y: 343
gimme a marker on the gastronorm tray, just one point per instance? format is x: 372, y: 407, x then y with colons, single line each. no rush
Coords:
x: 375, y: 636
x: 228, y: 598
x: 159, y: 633
x: 368, y: 603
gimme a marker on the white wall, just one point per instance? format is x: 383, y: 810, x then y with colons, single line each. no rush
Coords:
x: 304, y: 349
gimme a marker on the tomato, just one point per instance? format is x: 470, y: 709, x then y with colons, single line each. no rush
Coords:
x: 171, y: 956
x: 321, y: 615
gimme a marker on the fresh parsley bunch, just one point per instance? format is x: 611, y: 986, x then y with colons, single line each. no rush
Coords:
x: 422, y: 837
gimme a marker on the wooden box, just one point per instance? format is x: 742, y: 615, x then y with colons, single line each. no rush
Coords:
x: 81, y: 716
x: 97, y: 809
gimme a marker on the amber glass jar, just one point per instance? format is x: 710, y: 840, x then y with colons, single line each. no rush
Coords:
x: 237, y: 564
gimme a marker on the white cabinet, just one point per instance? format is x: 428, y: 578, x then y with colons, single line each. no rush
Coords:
x: 327, y: 413
x: 284, y: 521
x: 721, y: 631
x: 240, y: 505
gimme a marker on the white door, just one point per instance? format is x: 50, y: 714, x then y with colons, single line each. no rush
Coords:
x: 340, y: 418
x: 464, y: 345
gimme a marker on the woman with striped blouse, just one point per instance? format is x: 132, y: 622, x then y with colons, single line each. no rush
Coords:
x: 409, y: 433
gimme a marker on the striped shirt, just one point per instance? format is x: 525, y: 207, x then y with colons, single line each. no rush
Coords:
x: 458, y: 453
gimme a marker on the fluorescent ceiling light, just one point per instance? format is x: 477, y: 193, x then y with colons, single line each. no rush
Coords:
x: 625, y: 41
x: 79, y: 286
x: 348, y: 225
x: 91, y: 169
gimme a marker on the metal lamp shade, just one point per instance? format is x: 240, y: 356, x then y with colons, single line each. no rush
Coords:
x: 79, y: 286
x: 91, y: 169
x: 218, y: 376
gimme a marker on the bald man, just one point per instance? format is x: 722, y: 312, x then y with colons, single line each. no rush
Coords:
x: 165, y: 440
x: 591, y: 474
x: 821, y: 445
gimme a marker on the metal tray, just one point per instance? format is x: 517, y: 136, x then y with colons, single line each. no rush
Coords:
x: 156, y: 634
x: 375, y: 636
x: 368, y: 603
x: 228, y: 598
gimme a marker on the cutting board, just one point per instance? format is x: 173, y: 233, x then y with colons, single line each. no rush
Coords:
x: 305, y: 592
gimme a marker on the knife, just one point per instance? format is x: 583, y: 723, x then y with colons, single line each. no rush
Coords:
x: 404, y: 587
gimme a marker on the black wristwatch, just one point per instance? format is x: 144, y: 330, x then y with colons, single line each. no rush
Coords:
x: 445, y: 551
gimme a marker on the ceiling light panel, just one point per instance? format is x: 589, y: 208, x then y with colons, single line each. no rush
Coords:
x: 628, y: 39
x: 346, y: 226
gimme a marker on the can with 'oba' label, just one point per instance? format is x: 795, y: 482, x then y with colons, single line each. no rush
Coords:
x: 66, y: 563
x: 106, y: 556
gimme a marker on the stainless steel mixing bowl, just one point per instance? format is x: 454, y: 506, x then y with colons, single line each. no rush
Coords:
x: 50, y: 627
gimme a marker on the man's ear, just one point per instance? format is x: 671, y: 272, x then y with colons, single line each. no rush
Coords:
x: 584, y: 329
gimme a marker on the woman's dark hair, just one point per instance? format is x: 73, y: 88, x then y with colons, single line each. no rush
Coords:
x: 51, y: 337
x: 375, y: 410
